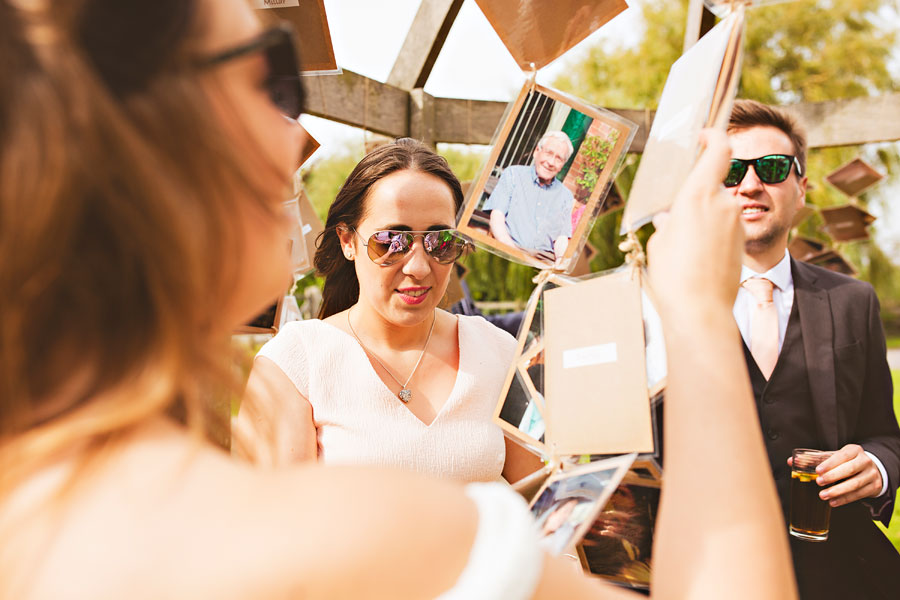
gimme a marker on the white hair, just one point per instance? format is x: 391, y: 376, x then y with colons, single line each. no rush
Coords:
x: 560, y: 137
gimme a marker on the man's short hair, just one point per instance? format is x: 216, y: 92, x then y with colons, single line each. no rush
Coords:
x: 750, y: 113
x: 559, y: 136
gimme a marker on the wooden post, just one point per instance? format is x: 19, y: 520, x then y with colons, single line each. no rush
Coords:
x: 421, y: 116
x: 423, y: 43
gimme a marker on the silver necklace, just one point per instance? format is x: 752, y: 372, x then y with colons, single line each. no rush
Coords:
x: 404, y: 394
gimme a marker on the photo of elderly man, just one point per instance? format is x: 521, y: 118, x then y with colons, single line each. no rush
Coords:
x: 530, y: 208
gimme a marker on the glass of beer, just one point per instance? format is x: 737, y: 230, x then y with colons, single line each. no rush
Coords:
x: 810, y: 514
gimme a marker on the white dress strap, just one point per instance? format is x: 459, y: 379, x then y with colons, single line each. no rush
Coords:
x: 505, y: 562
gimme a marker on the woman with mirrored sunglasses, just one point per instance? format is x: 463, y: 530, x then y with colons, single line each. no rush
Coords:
x: 386, y: 377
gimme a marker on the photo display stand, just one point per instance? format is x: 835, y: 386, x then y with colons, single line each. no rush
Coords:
x: 590, y: 367
x: 699, y: 92
x: 589, y: 353
x: 554, y: 157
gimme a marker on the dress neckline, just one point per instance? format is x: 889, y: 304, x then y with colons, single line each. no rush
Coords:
x: 393, y: 401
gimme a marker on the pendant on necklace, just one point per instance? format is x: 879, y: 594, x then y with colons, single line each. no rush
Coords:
x: 405, y: 395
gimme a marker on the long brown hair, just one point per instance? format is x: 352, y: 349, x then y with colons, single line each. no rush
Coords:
x: 117, y: 190
x: 341, y: 289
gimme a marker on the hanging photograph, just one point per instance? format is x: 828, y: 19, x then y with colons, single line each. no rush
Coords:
x: 569, y: 501
x: 699, y: 92
x: 618, y: 545
x: 520, y: 408
x: 595, y: 374
x: 550, y: 169
x: 521, y: 414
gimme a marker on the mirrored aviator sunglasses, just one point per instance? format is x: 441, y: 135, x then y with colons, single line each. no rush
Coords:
x: 388, y: 247
x: 283, y: 82
x: 772, y: 168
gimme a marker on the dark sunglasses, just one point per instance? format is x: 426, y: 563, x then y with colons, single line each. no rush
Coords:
x: 388, y: 247
x: 773, y: 168
x: 283, y: 82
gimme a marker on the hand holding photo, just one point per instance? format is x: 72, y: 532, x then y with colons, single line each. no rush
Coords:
x: 699, y: 92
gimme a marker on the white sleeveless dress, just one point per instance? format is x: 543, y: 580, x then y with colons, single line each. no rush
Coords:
x: 360, y: 421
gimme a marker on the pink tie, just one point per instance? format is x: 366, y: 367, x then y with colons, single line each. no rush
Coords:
x: 763, y: 325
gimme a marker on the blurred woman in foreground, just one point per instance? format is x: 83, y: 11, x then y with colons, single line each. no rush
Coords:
x: 143, y: 153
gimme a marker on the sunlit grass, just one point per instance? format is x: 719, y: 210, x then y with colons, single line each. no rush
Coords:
x: 893, y: 532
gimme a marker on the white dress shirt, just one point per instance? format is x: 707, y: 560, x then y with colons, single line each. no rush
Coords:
x: 783, y: 298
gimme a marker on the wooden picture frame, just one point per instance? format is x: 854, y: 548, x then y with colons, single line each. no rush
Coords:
x: 265, y: 322
x: 569, y: 500
x: 601, y: 140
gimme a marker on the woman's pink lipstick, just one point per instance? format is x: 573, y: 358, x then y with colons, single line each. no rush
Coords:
x: 413, y: 295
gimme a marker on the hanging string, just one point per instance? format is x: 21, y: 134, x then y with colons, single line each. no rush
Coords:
x: 532, y: 77
x: 542, y: 277
x: 634, y: 254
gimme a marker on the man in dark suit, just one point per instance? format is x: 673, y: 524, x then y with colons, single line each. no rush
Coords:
x: 816, y: 355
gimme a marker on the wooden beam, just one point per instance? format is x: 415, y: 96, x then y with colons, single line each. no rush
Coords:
x: 466, y: 121
x: 833, y: 123
x: 362, y: 102
x: 356, y: 100
x: 849, y: 122
x: 423, y: 43
x: 475, y: 121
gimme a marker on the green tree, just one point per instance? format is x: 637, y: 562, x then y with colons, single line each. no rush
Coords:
x: 324, y: 177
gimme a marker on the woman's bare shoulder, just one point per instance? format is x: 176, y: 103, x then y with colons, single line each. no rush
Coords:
x: 164, y: 503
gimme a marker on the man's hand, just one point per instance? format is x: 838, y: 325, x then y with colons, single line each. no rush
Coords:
x: 858, y: 476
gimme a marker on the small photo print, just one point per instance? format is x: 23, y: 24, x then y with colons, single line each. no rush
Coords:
x: 569, y: 501
x: 521, y: 414
x: 548, y: 174
x: 618, y: 545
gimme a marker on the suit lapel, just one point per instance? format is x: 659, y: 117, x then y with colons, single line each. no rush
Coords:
x: 814, y: 309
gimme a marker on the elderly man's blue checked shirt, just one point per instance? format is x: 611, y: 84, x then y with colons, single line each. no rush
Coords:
x: 535, y: 214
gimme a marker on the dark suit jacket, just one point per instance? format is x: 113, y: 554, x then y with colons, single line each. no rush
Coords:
x: 849, y: 377
x: 852, y: 397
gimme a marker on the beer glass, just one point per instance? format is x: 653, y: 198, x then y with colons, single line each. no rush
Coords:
x: 810, y: 514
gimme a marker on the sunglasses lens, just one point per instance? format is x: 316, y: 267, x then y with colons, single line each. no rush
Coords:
x: 283, y: 84
x: 735, y: 173
x: 443, y: 246
x: 773, y: 169
x: 387, y: 247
